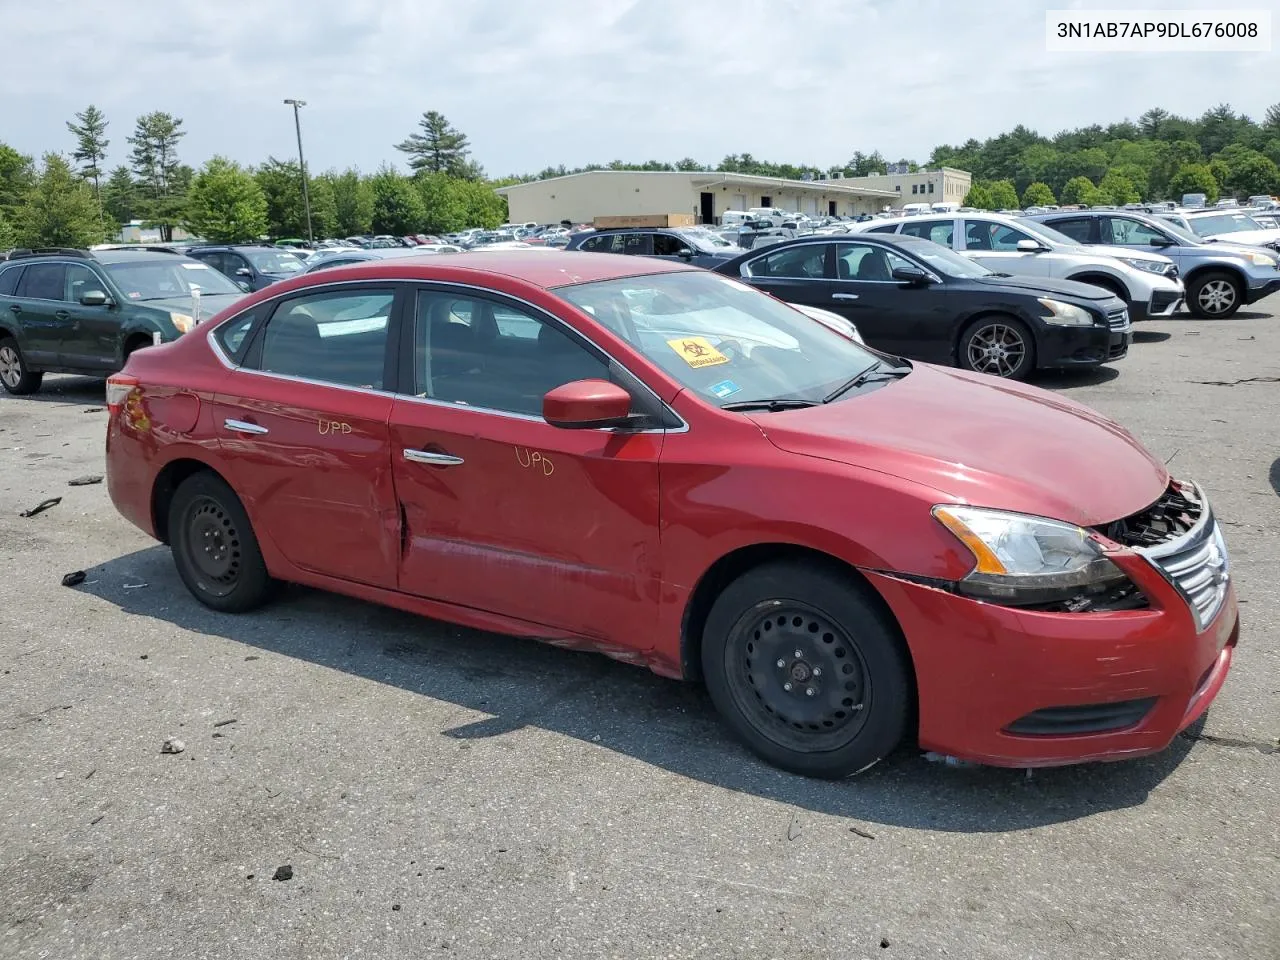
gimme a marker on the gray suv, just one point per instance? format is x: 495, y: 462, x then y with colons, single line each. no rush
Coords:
x: 1220, y: 277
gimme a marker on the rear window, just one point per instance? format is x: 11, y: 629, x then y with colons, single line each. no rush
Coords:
x: 42, y: 281
x: 9, y: 281
x: 234, y: 335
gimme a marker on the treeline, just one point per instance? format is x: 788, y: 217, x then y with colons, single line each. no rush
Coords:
x: 77, y: 202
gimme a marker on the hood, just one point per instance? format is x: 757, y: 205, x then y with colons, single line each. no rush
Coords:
x: 1232, y: 248
x: 984, y: 441
x: 1039, y: 286
x: 1248, y: 238
x: 210, y: 303
x: 1124, y: 253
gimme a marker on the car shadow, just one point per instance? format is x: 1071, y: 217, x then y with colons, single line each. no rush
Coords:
x: 1066, y: 379
x: 519, y: 683
x: 1274, y: 476
x: 1151, y: 336
x: 70, y: 390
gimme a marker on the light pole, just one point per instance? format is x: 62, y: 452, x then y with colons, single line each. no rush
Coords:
x: 302, y: 165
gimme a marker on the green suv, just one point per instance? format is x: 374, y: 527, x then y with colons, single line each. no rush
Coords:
x: 76, y: 311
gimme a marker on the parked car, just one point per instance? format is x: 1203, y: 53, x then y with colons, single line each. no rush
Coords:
x: 833, y: 320
x: 76, y: 311
x: 346, y: 258
x: 254, y: 266
x: 915, y: 298
x: 1146, y: 281
x: 1220, y: 277
x: 790, y: 528
x: 698, y: 247
x: 1233, y: 226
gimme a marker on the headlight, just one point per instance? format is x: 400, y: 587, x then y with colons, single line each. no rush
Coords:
x: 183, y: 322
x: 1261, y: 260
x: 1021, y: 559
x: 1147, y: 266
x: 1066, y: 314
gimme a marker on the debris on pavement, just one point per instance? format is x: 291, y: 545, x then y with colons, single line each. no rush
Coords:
x: 223, y: 723
x: 135, y: 586
x: 93, y: 409
x: 88, y: 480
x: 41, y: 507
x: 284, y: 872
x: 73, y: 579
x: 793, y: 828
x: 172, y: 745
x: 862, y: 833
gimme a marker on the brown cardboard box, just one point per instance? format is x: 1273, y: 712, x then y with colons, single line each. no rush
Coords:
x: 646, y: 220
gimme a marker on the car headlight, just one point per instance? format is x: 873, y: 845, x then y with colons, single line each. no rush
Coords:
x: 1021, y: 559
x: 1261, y: 259
x: 1146, y: 266
x: 182, y: 321
x: 1066, y: 314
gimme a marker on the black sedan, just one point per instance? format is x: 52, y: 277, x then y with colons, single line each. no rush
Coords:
x: 699, y: 247
x: 914, y: 298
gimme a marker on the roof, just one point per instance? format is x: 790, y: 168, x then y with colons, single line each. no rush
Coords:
x: 132, y: 256
x: 712, y: 178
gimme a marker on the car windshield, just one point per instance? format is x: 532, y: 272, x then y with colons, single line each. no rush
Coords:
x: 273, y: 261
x: 722, y: 339
x: 707, y: 240
x: 1225, y: 223
x: 945, y: 260
x: 170, y: 277
x: 1177, y: 229
x: 1042, y: 231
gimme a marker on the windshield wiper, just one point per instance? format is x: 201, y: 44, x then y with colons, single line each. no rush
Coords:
x: 772, y: 405
x: 993, y: 274
x: 866, y: 376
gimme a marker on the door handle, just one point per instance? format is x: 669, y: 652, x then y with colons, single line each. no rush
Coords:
x: 61, y: 314
x: 844, y: 296
x: 243, y: 426
x: 435, y: 459
x: 15, y: 308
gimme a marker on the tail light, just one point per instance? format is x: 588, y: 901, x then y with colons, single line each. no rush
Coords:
x: 119, y: 386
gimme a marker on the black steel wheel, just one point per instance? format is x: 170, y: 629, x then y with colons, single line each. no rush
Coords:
x: 807, y: 669
x: 1000, y: 346
x: 15, y: 376
x: 214, y: 547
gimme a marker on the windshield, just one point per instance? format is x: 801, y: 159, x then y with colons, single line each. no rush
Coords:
x: 171, y: 277
x: 945, y: 260
x: 1042, y: 231
x: 1226, y: 223
x: 722, y: 339
x: 707, y: 240
x: 1178, y: 230
x: 273, y: 261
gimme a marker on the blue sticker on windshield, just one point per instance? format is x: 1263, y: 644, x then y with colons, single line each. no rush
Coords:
x: 725, y: 388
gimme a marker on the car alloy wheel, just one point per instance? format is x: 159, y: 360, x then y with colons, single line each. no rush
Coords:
x: 996, y: 348
x: 213, y: 546
x: 1217, y: 297
x: 10, y: 366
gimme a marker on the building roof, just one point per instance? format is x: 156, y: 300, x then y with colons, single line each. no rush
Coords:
x: 712, y: 178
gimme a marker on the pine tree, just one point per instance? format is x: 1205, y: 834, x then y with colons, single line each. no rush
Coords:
x: 439, y: 148
x: 155, y: 161
x: 91, y: 147
x: 59, y: 211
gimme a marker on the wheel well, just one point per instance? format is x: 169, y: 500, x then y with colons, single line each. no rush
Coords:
x: 1199, y: 272
x: 1103, y: 281
x: 984, y: 315
x: 733, y: 565
x: 167, y: 483
x: 134, y: 342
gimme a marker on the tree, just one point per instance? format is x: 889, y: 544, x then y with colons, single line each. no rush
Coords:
x: 281, y: 183
x: 59, y: 210
x: 1094, y: 197
x: 17, y: 175
x: 1136, y: 174
x: 1271, y: 121
x: 443, y: 208
x: 6, y: 233
x: 353, y: 203
x: 225, y: 203
x: 1195, y: 178
x: 1037, y: 195
x: 865, y: 164
x: 1248, y: 172
x: 120, y: 196
x: 1003, y: 195
x: 397, y: 208
x: 979, y: 197
x: 439, y: 148
x: 1075, y: 189
x: 688, y: 164
x: 91, y: 146
x: 324, y: 207
x: 1118, y: 189
x: 154, y: 159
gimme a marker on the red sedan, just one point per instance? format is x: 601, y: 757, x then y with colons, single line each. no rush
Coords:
x: 664, y: 465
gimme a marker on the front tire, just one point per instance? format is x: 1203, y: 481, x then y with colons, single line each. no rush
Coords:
x: 999, y: 346
x: 15, y: 376
x: 1214, y: 295
x: 214, y: 547
x: 807, y: 670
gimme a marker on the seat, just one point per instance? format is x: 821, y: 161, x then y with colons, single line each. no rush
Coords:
x: 977, y: 238
x: 453, y: 345
x: 842, y: 269
x: 874, y: 265
x: 293, y: 344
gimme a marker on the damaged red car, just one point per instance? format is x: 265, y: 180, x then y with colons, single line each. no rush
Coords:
x: 648, y: 460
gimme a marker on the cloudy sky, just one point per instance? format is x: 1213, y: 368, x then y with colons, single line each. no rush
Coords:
x: 571, y: 81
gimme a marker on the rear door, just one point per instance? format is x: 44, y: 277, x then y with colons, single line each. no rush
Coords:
x: 800, y: 274
x: 39, y: 312
x: 303, y: 429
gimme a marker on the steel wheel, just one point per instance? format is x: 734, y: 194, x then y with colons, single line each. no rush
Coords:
x: 213, y: 545
x: 1217, y: 297
x: 999, y: 349
x: 10, y: 366
x: 799, y: 676
x: 214, y: 548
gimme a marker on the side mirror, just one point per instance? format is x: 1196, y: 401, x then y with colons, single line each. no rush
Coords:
x: 911, y: 275
x: 1161, y: 242
x: 94, y: 298
x: 585, y: 404
x: 685, y: 254
x: 244, y: 272
x: 1030, y: 246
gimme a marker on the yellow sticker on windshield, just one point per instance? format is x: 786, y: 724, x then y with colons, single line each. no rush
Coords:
x: 697, y: 352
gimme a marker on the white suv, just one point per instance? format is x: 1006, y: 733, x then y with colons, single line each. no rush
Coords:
x: 1147, y: 282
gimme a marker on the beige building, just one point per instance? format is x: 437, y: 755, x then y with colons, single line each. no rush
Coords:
x: 706, y: 195
x: 944, y: 185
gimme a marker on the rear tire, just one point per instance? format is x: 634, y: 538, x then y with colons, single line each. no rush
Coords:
x: 1214, y: 295
x: 1001, y: 346
x: 214, y: 547
x: 807, y: 670
x: 15, y: 376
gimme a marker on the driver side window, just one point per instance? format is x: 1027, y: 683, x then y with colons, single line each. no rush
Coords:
x: 1126, y: 231
x: 665, y: 245
x: 807, y: 262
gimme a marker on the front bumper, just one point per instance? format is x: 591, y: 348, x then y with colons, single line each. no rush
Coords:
x: 982, y: 668
x: 1263, y: 289
x: 1081, y: 346
x: 1163, y: 303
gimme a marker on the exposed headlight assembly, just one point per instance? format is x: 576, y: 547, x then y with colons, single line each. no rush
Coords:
x: 1066, y: 314
x: 1023, y: 560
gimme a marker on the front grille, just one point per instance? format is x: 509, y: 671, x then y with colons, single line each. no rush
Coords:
x: 1180, y: 538
x: 1118, y: 319
x: 1162, y: 300
x: 1082, y: 719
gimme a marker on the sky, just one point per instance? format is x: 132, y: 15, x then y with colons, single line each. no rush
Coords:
x: 537, y: 84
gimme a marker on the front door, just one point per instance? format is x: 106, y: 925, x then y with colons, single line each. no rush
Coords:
x: 303, y: 429
x: 39, y: 312
x: 504, y: 512
x: 995, y: 246
x: 92, y: 339
x: 899, y: 318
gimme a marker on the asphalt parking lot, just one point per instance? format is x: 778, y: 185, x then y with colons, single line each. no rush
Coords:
x: 442, y: 792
